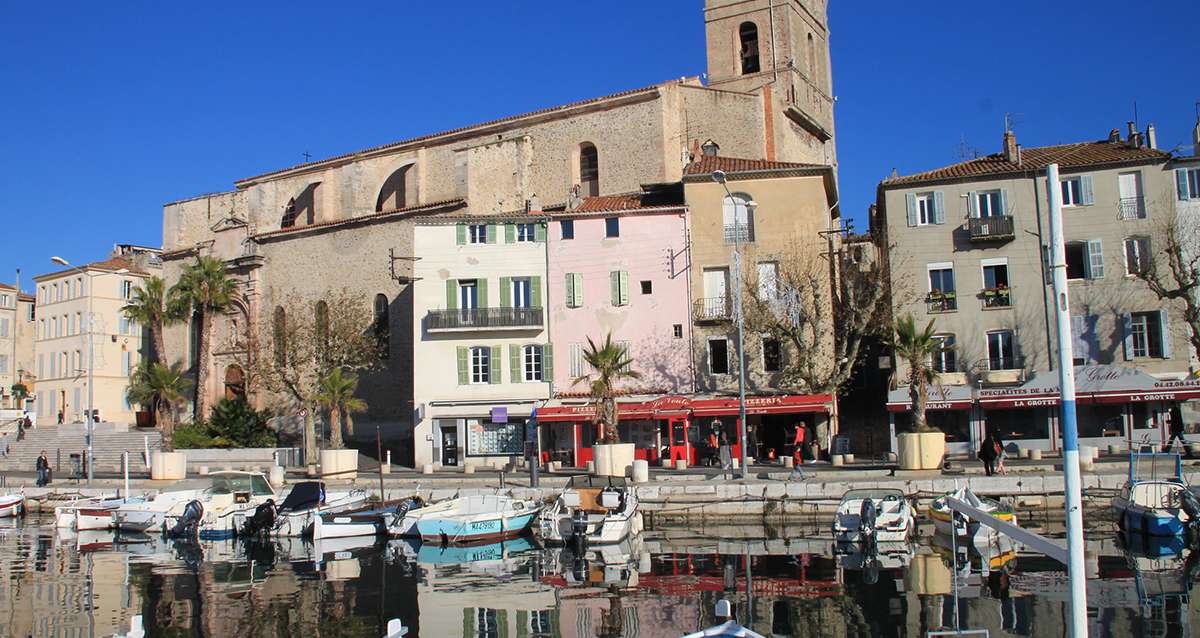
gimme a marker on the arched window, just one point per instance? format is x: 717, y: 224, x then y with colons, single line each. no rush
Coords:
x: 382, y: 325
x: 289, y: 214
x: 301, y: 210
x: 279, y: 336
x: 395, y: 192
x: 748, y: 38
x: 812, y: 57
x: 589, y: 170
x: 322, y: 324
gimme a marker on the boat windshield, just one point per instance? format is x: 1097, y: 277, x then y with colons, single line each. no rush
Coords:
x: 231, y: 483
x: 873, y: 494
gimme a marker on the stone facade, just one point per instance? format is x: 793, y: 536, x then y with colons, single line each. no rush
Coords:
x: 17, y: 320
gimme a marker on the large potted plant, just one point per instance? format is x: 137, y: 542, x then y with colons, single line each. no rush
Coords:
x: 924, y: 447
x: 162, y: 388
x: 610, y: 363
x: 335, y: 394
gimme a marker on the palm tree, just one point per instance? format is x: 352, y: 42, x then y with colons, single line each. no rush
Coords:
x: 336, y: 394
x: 148, y: 307
x: 19, y: 393
x: 159, y: 387
x: 610, y: 364
x: 205, y: 289
x: 916, y: 348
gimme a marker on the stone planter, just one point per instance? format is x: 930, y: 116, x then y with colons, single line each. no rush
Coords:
x: 168, y: 466
x: 613, y: 459
x: 921, y: 450
x: 339, y: 464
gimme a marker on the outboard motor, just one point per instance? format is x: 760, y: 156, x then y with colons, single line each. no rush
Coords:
x: 188, y: 525
x: 261, y: 521
x: 1191, y: 506
x: 867, y: 514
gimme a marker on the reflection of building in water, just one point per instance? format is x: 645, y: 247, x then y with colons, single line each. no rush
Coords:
x: 485, y: 599
x: 46, y: 592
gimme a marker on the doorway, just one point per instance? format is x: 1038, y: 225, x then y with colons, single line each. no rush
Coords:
x: 450, y: 446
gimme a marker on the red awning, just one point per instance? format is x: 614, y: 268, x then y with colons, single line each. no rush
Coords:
x: 681, y: 406
x: 586, y: 412
x: 776, y: 404
x: 1019, y: 401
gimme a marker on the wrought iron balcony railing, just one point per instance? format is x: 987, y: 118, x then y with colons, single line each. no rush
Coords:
x: 712, y: 309
x: 998, y: 228
x: 939, y: 301
x: 483, y: 319
x: 1132, y: 208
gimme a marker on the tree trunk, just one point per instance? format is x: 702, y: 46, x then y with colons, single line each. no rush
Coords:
x: 156, y: 339
x: 310, y: 440
x: 918, y: 392
x: 349, y: 421
x: 335, y: 428
x: 166, y: 425
x: 611, y: 433
x: 202, y: 369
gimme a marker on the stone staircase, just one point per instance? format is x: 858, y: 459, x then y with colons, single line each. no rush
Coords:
x: 109, y: 442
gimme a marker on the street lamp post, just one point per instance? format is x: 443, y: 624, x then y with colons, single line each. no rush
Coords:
x: 91, y: 321
x: 719, y: 177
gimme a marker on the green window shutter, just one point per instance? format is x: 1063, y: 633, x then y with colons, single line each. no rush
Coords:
x: 614, y: 282
x: 492, y: 232
x: 481, y: 287
x: 910, y: 203
x: 451, y: 294
x: 514, y: 363
x: 464, y: 365
x: 1181, y: 184
x: 460, y: 234
x: 939, y: 207
x: 539, y: 232
x: 578, y: 289
x: 548, y: 362
x: 535, y: 291
x: 494, y: 365
x: 506, y: 292
x: 571, y: 290
x: 510, y: 233
x: 623, y: 280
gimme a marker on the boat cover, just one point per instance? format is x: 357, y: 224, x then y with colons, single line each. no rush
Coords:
x: 303, y: 496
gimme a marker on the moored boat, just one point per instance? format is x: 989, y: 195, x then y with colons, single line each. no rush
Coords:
x: 596, y: 509
x: 295, y: 515
x: 12, y: 505
x: 1155, y: 500
x: 376, y: 520
x: 150, y: 515
x: 945, y: 522
x: 476, y: 518
x: 878, y: 514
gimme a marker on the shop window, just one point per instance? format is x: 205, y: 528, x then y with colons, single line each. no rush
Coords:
x: 1017, y: 424
x: 1100, y: 420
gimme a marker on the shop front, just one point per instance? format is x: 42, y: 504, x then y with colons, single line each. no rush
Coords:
x: 949, y: 408
x: 487, y: 437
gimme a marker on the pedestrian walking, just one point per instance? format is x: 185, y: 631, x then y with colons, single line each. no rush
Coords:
x: 797, y: 466
x: 726, y: 452
x: 1176, y: 429
x: 798, y: 443
x: 987, y: 454
x: 1000, y: 453
x: 43, y: 470
x: 21, y: 430
x: 60, y: 417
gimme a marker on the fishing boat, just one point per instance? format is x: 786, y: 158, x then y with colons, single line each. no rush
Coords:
x: 295, y: 515
x: 878, y: 514
x: 945, y: 522
x: 1155, y: 500
x: 595, y: 509
x: 368, y: 521
x: 476, y: 519
x: 150, y: 514
x: 12, y: 505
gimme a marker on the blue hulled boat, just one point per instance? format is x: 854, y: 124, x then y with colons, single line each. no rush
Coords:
x: 476, y: 519
x: 1155, y: 500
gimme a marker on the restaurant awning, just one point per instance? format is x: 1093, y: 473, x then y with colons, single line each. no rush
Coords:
x: 682, y: 406
x: 770, y: 404
x: 941, y: 397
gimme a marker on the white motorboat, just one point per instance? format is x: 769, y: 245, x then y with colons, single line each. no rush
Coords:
x: 878, y: 514
x: 296, y: 514
x: 377, y: 520
x: 946, y: 523
x: 150, y: 515
x: 476, y: 519
x: 90, y: 513
x: 12, y: 505
x: 595, y: 509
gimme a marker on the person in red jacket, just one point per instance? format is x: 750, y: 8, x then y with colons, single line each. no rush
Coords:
x: 798, y: 443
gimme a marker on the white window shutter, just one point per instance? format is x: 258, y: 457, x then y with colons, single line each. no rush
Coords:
x: 911, y: 200
x: 1165, y: 326
x: 973, y: 203
x: 1181, y: 185
x: 1095, y: 253
x: 1127, y: 327
x: 1078, y: 341
x: 939, y: 207
x: 1004, y: 202
x: 1086, y: 197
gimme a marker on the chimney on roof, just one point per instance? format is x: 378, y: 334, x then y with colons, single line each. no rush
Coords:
x: 1132, y: 131
x: 1011, y: 152
x: 1151, y: 136
x: 533, y: 205
x: 1114, y: 136
x: 710, y: 148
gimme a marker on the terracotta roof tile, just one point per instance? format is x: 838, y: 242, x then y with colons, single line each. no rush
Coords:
x: 706, y: 164
x: 111, y: 264
x: 1078, y: 154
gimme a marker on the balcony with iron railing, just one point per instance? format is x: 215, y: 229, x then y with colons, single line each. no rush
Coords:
x: 470, y: 319
x: 712, y: 309
x: 997, y: 228
x: 941, y: 301
x: 739, y: 233
x: 1132, y: 208
x: 999, y: 297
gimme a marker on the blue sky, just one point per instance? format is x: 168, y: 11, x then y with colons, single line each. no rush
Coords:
x: 110, y: 110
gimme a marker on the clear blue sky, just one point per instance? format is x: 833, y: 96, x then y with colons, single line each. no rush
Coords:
x: 111, y: 109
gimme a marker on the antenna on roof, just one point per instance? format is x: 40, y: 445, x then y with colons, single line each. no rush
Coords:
x: 1135, y: 117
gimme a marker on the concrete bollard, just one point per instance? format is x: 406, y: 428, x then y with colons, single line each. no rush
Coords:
x: 681, y: 464
x: 788, y: 462
x: 641, y: 471
x: 203, y: 470
x: 386, y: 468
x: 276, y: 476
x: 427, y: 468
x: 1086, y: 464
x: 735, y: 462
x: 892, y: 457
x: 591, y: 467
x: 552, y: 466
x: 468, y: 469
x: 1114, y: 449
x: 1194, y: 448
x: 1035, y: 455
x: 848, y: 458
x: 1025, y: 452
x: 839, y: 460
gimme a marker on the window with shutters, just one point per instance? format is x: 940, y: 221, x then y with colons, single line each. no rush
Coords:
x: 574, y: 290
x: 566, y: 229
x: 944, y: 359
x: 925, y: 210
x: 522, y: 292
x: 718, y: 356
x: 738, y: 216
x: 481, y: 365
x: 477, y: 233
x: 677, y: 331
x: 468, y: 294
x: 589, y: 170
x: 988, y: 204
x: 619, y: 280
x: 1187, y: 183
x: 3, y: 327
x: 526, y: 232
x: 576, y: 362
x: 748, y: 53
x: 531, y: 357
x: 1076, y: 260
x: 612, y: 227
x: 5, y: 301
x: 1146, y: 334
x: 772, y: 355
x: 943, y: 297
x: 1072, y: 191
x: 1137, y: 255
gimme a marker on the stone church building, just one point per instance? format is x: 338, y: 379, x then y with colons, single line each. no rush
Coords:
x: 294, y: 234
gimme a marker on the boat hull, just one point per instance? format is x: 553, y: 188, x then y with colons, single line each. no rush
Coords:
x: 93, y: 519
x: 11, y: 506
x: 482, y: 530
x: 1148, y: 521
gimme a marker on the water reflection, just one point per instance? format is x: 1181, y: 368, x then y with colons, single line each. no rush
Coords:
x: 660, y: 584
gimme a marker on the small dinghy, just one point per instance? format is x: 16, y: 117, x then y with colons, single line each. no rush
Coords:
x: 369, y: 521
x: 1155, y: 500
x: 12, y: 505
x: 873, y: 514
x: 594, y: 509
x: 476, y: 519
x: 963, y: 527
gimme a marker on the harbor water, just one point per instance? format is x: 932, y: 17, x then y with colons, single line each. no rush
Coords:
x: 662, y: 583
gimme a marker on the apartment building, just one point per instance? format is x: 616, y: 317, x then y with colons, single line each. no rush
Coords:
x: 17, y: 316
x: 78, y: 303
x: 969, y: 252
